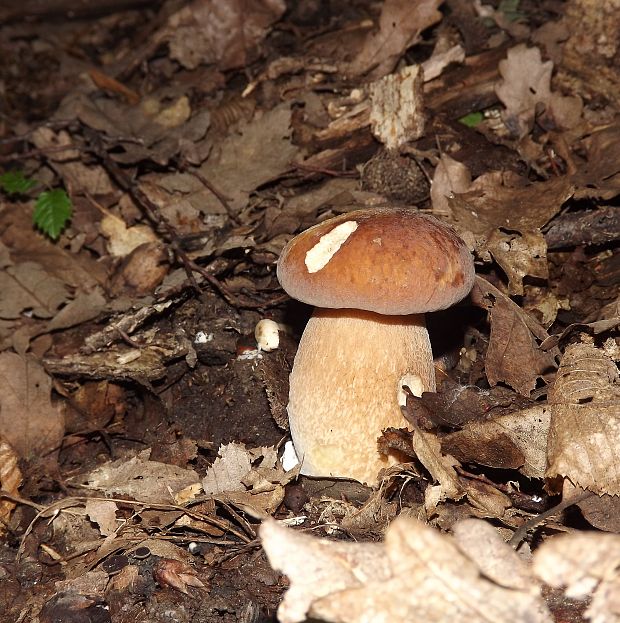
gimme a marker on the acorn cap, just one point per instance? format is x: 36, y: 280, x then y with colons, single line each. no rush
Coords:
x: 391, y: 261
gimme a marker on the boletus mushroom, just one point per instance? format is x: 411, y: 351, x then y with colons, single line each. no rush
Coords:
x: 371, y: 275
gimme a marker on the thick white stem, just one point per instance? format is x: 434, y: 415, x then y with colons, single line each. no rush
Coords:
x: 346, y: 386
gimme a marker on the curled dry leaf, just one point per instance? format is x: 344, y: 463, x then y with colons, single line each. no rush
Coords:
x: 513, y: 356
x: 177, y: 574
x: 517, y: 440
x: 584, y: 438
x: 418, y: 574
x: 451, y: 176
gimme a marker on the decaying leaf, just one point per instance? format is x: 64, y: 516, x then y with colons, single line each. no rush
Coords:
x: 584, y: 438
x: 513, y: 356
x: 427, y: 448
x: 418, y: 574
x: 28, y: 420
x: 122, y: 240
x: 228, y: 470
x: 519, y: 254
x: 141, y: 479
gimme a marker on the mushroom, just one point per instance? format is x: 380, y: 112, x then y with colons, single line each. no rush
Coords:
x: 371, y: 274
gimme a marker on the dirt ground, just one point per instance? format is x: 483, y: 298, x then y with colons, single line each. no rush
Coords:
x: 155, y: 159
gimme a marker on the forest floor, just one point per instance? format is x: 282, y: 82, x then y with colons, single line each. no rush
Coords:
x: 155, y: 158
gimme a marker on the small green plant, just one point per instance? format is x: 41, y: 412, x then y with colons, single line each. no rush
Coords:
x: 53, y: 208
x: 472, y: 119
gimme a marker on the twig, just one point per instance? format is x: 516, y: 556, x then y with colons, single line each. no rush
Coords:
x: 522, y: 531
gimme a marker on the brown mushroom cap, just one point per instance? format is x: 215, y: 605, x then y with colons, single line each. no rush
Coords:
x: 390, y: 261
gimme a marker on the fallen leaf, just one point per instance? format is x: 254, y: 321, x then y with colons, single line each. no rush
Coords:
x: 224, y: 33
x: 450, y: 177
x: 29, y: 287
x: 584, y: 438
x: 242, y: 162
x: 418, y: 574
x: 103, y: 513
x: 122, y: 240
x: 514, y: 441
x: 526, y: 83
x: 10, y: 481
x: 400, y: 26
x: 228, y: 470
x: 141, y: 479
x: 519, y: 255
x: 318, y: 567
x: 250, y: 479
x: 585, y: 567
x: 28, y: 420
x: 513, y: 355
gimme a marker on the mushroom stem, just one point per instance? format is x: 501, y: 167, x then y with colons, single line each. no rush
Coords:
x: 346, y: 387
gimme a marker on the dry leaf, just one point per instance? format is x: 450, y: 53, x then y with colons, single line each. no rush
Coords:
x: 318, y: 567
x: 519, y: 254
x: 242, y: 162
x: 450, y: 177
x: 584, y: 438
x: 141, y: 479
x: 10, y: 481
x: 25, y: 244
x: 29, y: 287
x: 440, y: 466
x: 418, y: 574
x: 400, y: 25
x: 78, y: 177
x: 514, y: 441
x: 513, y: 356
x: 585, y: 566
x: 526, y: 83
x: 228, y: 470
x: 28, y: 420
x: 250, y: 479
x: 103, y: 513
x: 224, y: 33
x: 122, y: 240
x: 85, y: 306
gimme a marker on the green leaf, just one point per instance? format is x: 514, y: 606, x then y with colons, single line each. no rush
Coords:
x: 472, y: 119
x: 16, y: 183
x: 52, y: 211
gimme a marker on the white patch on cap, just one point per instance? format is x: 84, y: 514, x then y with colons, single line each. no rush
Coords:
x: 328, y: 245
x: 414, y: 383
